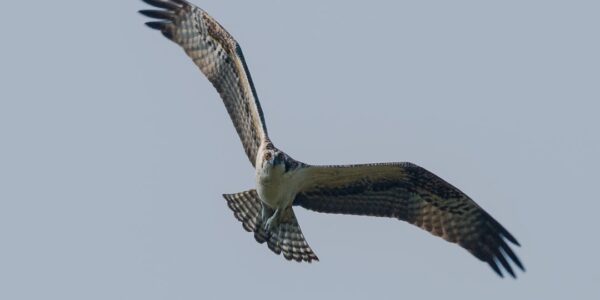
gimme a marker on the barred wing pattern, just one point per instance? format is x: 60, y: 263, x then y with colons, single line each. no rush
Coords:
x: 287, y: 238
x: 220, y: 58
x: 413, y: 194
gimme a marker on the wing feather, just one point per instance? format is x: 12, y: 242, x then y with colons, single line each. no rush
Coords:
x: 220, y: 59
x: 408, y: 192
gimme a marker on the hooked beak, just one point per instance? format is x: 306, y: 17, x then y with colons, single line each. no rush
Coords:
x: 278, y: 159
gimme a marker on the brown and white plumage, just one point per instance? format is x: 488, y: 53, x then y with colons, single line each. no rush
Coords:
x: 396, y: 190
x: 410, y: 193
x: 221, y: 60
x: 246, y: 207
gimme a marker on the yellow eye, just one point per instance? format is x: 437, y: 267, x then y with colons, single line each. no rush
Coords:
x: 268, y: 156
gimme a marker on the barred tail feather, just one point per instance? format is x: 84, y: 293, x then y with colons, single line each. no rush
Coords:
x: 246, y: 208
x: 286, y: 238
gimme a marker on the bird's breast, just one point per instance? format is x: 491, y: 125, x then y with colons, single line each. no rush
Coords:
x: 276, y: 190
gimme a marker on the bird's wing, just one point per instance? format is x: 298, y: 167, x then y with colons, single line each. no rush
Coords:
x: 220, y: 58
x: 413, y: 194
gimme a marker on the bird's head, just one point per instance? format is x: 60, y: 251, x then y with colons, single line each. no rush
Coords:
x: 271, y: 162
x: 272, y: 158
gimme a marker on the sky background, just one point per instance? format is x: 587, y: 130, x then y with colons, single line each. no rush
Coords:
x: 115, y: 150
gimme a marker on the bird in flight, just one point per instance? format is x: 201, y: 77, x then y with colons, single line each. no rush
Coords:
x: 396, y: 190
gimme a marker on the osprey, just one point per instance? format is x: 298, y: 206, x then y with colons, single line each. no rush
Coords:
x: 397, y: 190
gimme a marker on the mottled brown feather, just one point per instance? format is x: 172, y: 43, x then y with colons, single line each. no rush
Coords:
x: 408, y: 192
x: 220, y: 59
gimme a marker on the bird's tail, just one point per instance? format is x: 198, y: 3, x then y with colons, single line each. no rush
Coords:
x: 286, y: 237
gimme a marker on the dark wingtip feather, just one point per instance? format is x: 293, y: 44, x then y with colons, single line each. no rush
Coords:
x: 509, y: 237
x: 157, y: 14
x: 162, y: 4
x: 503, y: 250
x: 182, y: 2
x: 162, y: 26
x: 156, y: 25
x: 506, y: 265
x: 506, y: 249
x: 497, y: 226
x: 495, y: 267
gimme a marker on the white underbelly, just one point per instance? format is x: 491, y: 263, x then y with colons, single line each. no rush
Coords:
x: 279, y: 189
x: 273, y: 195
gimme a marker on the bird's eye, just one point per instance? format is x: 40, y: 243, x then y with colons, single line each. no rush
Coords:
x: 268, y: 156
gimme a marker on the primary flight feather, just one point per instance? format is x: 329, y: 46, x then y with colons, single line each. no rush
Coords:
x: 397, y: 190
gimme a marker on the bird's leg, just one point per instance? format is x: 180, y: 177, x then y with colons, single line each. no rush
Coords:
x: 273, y: 221
x: 265, y: 213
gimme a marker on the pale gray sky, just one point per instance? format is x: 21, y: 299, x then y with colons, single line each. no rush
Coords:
x: 115, y: 150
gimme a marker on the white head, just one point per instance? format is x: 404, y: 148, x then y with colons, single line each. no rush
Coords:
x: 272, y: 160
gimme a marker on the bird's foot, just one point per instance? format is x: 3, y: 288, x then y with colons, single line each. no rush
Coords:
x: 272, y: 222
x: 265, y: 213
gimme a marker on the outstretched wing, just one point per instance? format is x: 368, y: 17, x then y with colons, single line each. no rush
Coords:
x: 413, y: 194
x: 220, y: 58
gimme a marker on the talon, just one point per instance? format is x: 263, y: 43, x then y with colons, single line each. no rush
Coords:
x: 271, y: 223
x: 264, y: 213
